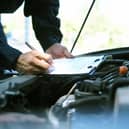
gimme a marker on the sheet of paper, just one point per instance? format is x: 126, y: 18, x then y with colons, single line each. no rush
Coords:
x: 76, y: 65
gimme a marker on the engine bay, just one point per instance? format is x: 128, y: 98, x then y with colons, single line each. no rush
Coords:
x: 74, y: 99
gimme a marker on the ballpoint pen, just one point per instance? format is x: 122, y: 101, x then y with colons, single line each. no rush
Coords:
x: 31, y: 47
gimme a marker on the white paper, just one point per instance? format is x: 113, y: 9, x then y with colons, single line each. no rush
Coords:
x: 76, y: 65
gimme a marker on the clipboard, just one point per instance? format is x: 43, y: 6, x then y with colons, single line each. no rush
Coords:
x: 75, y: 65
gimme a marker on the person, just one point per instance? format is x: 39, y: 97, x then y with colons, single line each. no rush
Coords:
x: 46, y: 26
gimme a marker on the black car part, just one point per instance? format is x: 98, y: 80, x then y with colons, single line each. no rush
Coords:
x: 94, y: 96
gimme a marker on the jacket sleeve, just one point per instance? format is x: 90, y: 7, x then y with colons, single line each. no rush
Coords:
x: 46, y: 24
x: 9, y: 6
x: 8, y: 55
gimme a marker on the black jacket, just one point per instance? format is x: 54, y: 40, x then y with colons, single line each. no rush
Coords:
x: 45, y: 24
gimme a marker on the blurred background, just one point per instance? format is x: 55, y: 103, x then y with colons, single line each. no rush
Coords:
x: 107, y: 26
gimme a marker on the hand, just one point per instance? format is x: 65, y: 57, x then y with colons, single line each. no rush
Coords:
x: 58, y: 51
x: 33, y: 62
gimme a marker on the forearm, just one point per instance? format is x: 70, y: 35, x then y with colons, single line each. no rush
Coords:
x: 8, y: 55
x: 47, y: 33
x: 45, y: 22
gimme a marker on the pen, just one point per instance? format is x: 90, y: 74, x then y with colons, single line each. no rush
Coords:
x: 31, y: 47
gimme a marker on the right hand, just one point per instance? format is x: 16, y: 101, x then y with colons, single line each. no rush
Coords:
x: 33, y: 62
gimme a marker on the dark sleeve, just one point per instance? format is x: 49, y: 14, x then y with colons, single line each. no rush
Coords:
x: 46, y: 24
x: 9, y: 6
x: 8, y: 55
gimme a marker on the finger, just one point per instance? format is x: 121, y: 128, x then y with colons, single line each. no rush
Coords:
x: 41, y: 64
x: 36, y: 71
x: 45, y: 56
x: 28, y: 69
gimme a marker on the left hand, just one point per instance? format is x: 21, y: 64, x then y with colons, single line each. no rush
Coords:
x: 58, y: 51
